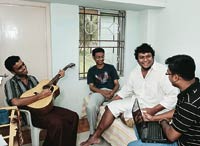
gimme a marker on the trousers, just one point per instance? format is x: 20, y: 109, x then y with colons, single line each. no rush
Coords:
x: 92, y: 109
x: 61, y: 125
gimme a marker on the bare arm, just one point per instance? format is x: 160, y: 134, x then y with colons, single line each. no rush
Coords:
x: 164, y: 119
x: 169, y: 131
x: 166, y: 115
x: 106, y: 93
x: 152, y: 111
x: 30, y: 99
x: 94, y: 89
x: 97, y: 90
x: 116, y: 87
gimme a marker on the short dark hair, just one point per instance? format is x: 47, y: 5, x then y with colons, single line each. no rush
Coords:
x: 10, y: 62
x: 183, y: 65
x: 144, y: 48
x: 96, y: 50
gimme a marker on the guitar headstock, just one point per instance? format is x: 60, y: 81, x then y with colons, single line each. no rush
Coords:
x: 70, y: 65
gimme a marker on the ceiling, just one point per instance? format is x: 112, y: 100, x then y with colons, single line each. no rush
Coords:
x: 112, y: 4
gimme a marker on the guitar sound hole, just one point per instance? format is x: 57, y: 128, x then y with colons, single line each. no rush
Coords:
x: 51, y: 88
x: 46, y: 87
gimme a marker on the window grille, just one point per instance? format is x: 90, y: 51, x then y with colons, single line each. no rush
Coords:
x: 101, y: 28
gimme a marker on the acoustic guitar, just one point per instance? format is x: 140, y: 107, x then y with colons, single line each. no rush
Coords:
x: 44, y: 105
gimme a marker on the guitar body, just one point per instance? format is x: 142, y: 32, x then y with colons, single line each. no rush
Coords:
x: 44, y: 105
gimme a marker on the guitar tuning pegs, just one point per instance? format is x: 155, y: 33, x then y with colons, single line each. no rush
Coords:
x: 72, y: 64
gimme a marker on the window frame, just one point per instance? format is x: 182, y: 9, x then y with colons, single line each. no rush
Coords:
x: 120, y: 41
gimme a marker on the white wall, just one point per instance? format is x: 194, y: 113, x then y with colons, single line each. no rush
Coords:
x: 171, y: 30
x: 65, y: 41
x: 133, y: 38
x: 175, y: 30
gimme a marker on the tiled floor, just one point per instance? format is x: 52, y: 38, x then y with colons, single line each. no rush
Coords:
x: 83, y: 136
x: 80, y: 138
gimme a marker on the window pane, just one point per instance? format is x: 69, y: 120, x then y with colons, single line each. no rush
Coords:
x: 101, y: 28
x: 86, y: 61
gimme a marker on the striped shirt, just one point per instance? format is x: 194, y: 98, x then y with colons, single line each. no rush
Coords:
x: 186, y: 119
x: 14, y: 87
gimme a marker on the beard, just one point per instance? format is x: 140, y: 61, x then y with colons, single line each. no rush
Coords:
x: 174, y: 83
x: 146, y: 68
x: 22, y: 75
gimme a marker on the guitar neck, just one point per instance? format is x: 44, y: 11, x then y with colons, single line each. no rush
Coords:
x: 57, y: 77
x: 54, y: 80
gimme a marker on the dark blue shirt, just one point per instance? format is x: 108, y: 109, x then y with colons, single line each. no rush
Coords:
x: 102, y: 78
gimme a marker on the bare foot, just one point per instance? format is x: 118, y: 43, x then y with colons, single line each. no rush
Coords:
x: 91, y: 140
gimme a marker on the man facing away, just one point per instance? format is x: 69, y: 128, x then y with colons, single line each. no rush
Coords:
x: 148, y: 83
x: 102, y: 79
x: 185, y: 123
x: 61, y: 124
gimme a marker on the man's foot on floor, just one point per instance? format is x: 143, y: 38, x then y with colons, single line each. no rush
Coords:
x: 91, y: 140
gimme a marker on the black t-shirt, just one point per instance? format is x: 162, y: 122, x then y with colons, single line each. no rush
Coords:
x: 186, y: 118
x: 102, y: 78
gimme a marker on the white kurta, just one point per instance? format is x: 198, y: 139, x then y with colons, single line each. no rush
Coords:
x: 152, y: 90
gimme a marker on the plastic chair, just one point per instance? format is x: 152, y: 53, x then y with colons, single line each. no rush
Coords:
x: 35, y: 131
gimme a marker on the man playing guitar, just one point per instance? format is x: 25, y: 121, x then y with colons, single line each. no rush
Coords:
x: 61, y: 124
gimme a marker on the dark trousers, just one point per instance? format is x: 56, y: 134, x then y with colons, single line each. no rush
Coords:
x: 61, y: 125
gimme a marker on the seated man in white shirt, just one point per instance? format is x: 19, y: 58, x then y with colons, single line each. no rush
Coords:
x: 148, y: 83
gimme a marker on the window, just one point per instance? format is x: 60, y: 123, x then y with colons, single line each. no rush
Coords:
x: 101, y: 28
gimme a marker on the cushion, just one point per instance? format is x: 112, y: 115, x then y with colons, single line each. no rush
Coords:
x: 127, y: 121
x: 83, y: 111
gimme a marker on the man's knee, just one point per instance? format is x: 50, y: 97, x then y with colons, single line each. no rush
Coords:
x: 108, y: 111
x: 91, y: 108
x: 57, y: 123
